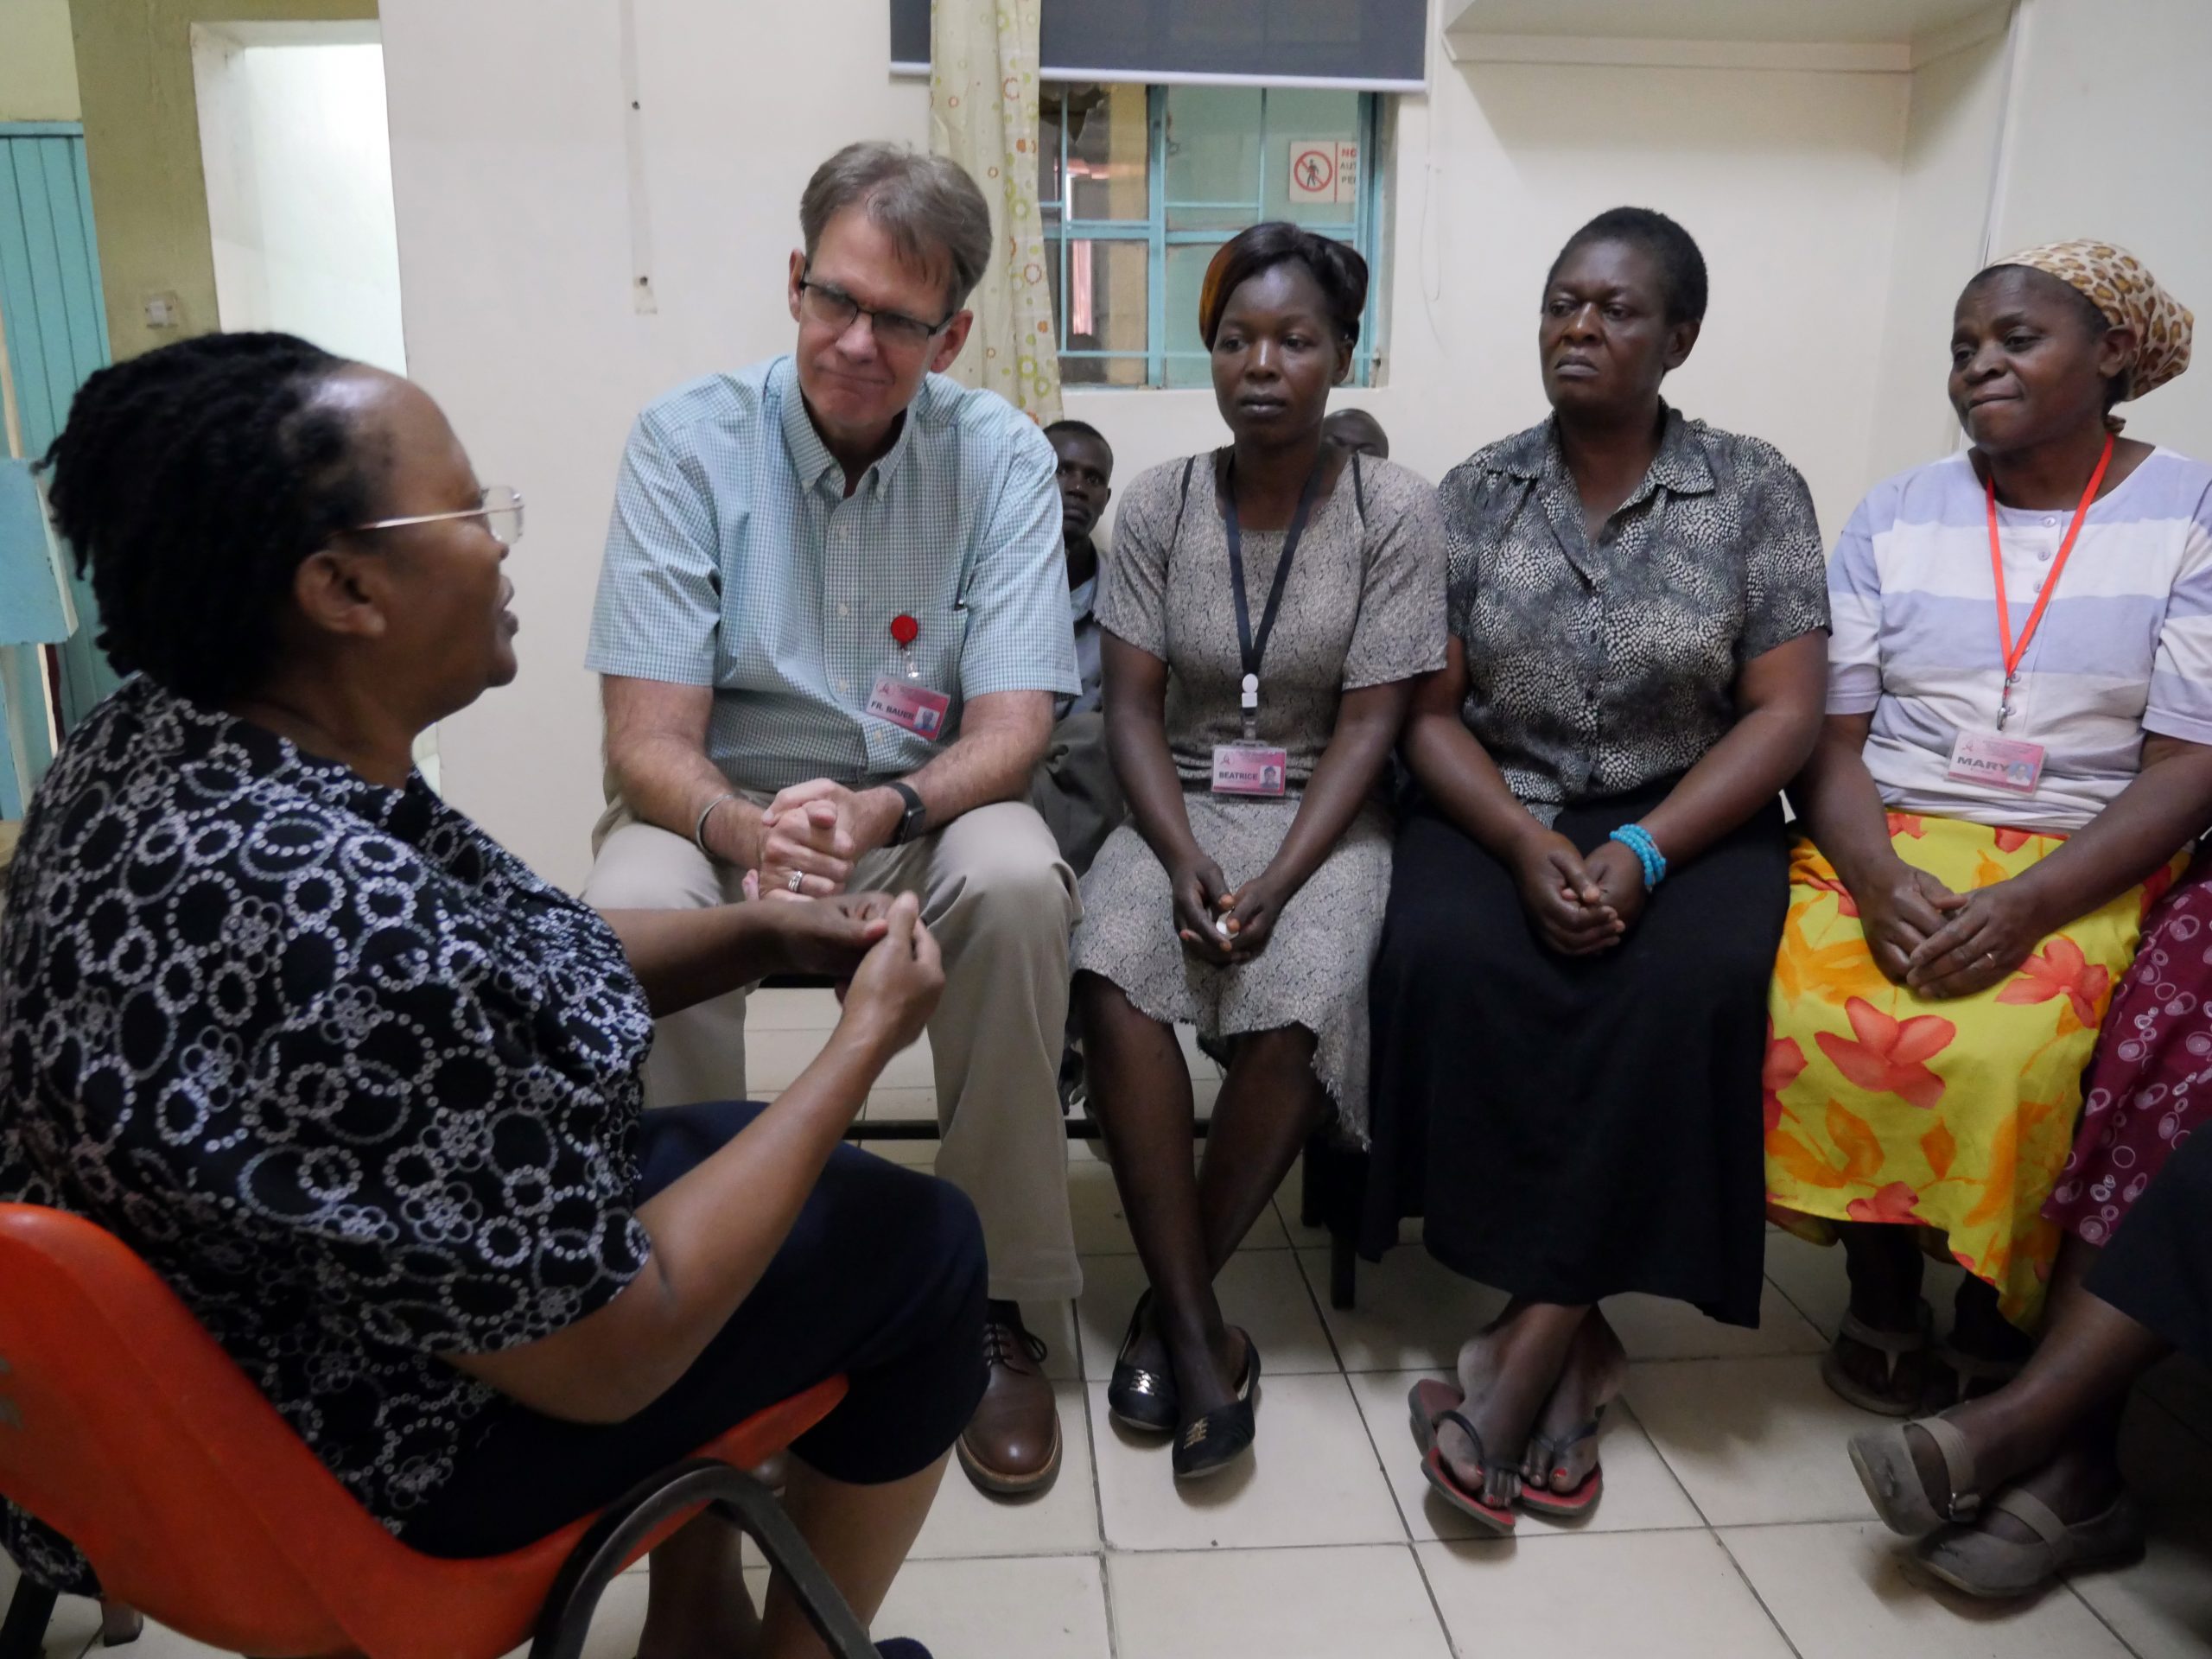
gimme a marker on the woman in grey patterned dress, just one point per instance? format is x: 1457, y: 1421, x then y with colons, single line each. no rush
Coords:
x: 1567, y: 1052
x: 1246, y: 894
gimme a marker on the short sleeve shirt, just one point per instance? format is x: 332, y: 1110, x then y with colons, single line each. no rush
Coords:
x: 735, y: 560
x: 2124, y: 648
x: 1363, y: 605
x: 358, y: 1086
x: 1595, y: 668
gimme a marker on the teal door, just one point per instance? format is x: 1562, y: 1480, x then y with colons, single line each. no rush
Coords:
x: 57, y: 336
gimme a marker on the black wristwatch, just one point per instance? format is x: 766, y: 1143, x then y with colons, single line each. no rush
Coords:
x: 913, y: 821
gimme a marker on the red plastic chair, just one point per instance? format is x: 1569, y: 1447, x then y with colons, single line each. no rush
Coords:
x: 125, y: 1428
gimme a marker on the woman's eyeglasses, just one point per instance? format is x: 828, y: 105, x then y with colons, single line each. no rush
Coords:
x: 499, y: 507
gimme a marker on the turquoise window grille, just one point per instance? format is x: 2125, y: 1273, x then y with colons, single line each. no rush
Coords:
x: 1139, y: 186
x: 57, y: 336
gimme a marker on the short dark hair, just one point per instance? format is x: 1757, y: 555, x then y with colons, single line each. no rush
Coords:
x: 1081, y: 430
x: 193, y: 481
x: 1338, y: 270
x: 1674, y: 250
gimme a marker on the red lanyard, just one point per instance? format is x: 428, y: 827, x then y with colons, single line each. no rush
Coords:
x: 2014, y: 651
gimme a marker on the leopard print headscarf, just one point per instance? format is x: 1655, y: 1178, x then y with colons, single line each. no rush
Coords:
x: 2117, y: 284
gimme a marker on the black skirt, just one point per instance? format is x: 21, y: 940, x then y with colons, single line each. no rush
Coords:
x: 1572, y: 1129
x: 2158, y: 1270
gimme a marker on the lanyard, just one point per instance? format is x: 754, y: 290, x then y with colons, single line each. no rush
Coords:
x: 2014, y: 650
x: 1252, y: 648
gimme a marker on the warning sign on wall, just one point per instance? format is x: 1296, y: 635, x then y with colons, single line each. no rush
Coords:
x: 1323, y: 172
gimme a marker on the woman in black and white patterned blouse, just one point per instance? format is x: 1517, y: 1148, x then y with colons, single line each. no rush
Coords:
x: 1568, y: 1053
x: 364, y: 1090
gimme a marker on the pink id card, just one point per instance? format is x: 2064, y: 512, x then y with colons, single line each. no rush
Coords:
x: 1247, y: 769
x: 906, y: 703
x: 1996, y: 762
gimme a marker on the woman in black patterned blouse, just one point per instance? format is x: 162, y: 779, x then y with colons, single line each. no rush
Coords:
x: 364, y: 1091
x: 1567, y: 1052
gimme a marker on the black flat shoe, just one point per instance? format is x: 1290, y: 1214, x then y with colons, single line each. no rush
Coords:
x: 1209, y: 1442
x: 1145, y: 1400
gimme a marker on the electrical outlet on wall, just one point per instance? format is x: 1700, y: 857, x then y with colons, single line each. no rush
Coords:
x: 164, y: 310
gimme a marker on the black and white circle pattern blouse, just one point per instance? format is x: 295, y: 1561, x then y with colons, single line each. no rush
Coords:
x: 360, y: 1087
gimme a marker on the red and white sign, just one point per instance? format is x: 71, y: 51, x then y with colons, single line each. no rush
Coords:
x: 1323, y: 172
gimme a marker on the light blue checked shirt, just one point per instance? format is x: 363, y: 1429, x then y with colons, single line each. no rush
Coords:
x: 735, y: 560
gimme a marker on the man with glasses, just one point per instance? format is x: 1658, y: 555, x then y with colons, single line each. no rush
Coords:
x: 831, y: 625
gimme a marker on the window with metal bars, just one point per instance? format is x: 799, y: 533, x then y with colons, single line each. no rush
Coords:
x: 1139, y: 184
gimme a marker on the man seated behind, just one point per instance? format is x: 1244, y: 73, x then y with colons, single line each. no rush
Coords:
x: 1075, y: 791
x: 831, y: 627
x: 1357, y: 432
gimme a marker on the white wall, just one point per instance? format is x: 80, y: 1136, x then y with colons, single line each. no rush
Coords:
x: 515, y: 237
x: 1839, y: 212
x: 298, y: 166
x: 1787, y: 180
x: 2110, y: 137
x: 1952, y: 139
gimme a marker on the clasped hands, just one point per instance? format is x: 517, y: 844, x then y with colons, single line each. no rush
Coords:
x: 1220, y: 923
x: 1939, y: 943
x: 811, y: 835
x: 1581, y: 906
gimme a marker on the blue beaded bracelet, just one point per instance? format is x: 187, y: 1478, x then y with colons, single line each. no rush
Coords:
x: 1637, y: 840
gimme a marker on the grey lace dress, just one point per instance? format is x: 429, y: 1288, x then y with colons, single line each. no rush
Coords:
x: 1364, y: 606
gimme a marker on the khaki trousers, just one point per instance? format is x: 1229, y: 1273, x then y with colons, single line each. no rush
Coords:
x: 1002, y: 902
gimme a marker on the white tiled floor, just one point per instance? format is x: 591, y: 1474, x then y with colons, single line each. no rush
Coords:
x: 1732, y: 1526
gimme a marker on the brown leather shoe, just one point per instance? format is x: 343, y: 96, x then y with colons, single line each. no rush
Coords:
x: 1011, y: 1444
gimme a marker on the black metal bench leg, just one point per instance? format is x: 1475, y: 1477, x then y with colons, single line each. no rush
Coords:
x: 22, y: 1633
x: 1343, y: 1271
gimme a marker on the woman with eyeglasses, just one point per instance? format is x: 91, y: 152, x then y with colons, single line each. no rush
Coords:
x: 364, y: 1090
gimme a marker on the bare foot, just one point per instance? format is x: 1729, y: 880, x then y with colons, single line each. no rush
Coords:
x: 1596, y: 1367
x: 1506, y: 1373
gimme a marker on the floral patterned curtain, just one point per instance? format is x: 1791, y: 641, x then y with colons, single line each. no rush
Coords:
x: 983, y: 91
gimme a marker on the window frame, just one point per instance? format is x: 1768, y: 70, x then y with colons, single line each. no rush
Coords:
x: 1363, y: 230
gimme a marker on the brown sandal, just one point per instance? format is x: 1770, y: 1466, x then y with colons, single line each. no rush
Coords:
x: 1894, y: 1346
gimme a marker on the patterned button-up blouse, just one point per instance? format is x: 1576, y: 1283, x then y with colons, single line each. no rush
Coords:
x: 357, y: 1085
x: 1596, y: 667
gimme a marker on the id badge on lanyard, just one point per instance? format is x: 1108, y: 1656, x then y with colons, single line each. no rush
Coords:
x: 1250, y: 768
x: 900, y: 697
x: 1991, y: 760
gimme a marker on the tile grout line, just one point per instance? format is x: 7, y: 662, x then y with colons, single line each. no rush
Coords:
x: 2125, y: 1646
x: 1435, y: 1606
x: 1097, y: 1484
x: 1772, y: 1618
x: 2204, y: 1436
x: 1405, y: 1524
x: 1796, y: 1307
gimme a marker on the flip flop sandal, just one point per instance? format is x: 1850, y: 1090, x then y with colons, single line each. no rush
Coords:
x: 1883, y: 1459
x: 1894, y: 1346
x: 1584, y: 1496
x: 1968, y: 1369
x: 1981, y: 1564
x: 1429, y: 1400
x: 1471, y: 1502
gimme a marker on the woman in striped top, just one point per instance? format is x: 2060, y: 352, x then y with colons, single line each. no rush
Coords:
x: 2018, y: 747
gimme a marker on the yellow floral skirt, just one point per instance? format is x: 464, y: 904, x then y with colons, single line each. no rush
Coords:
x: 1955, y: 1116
